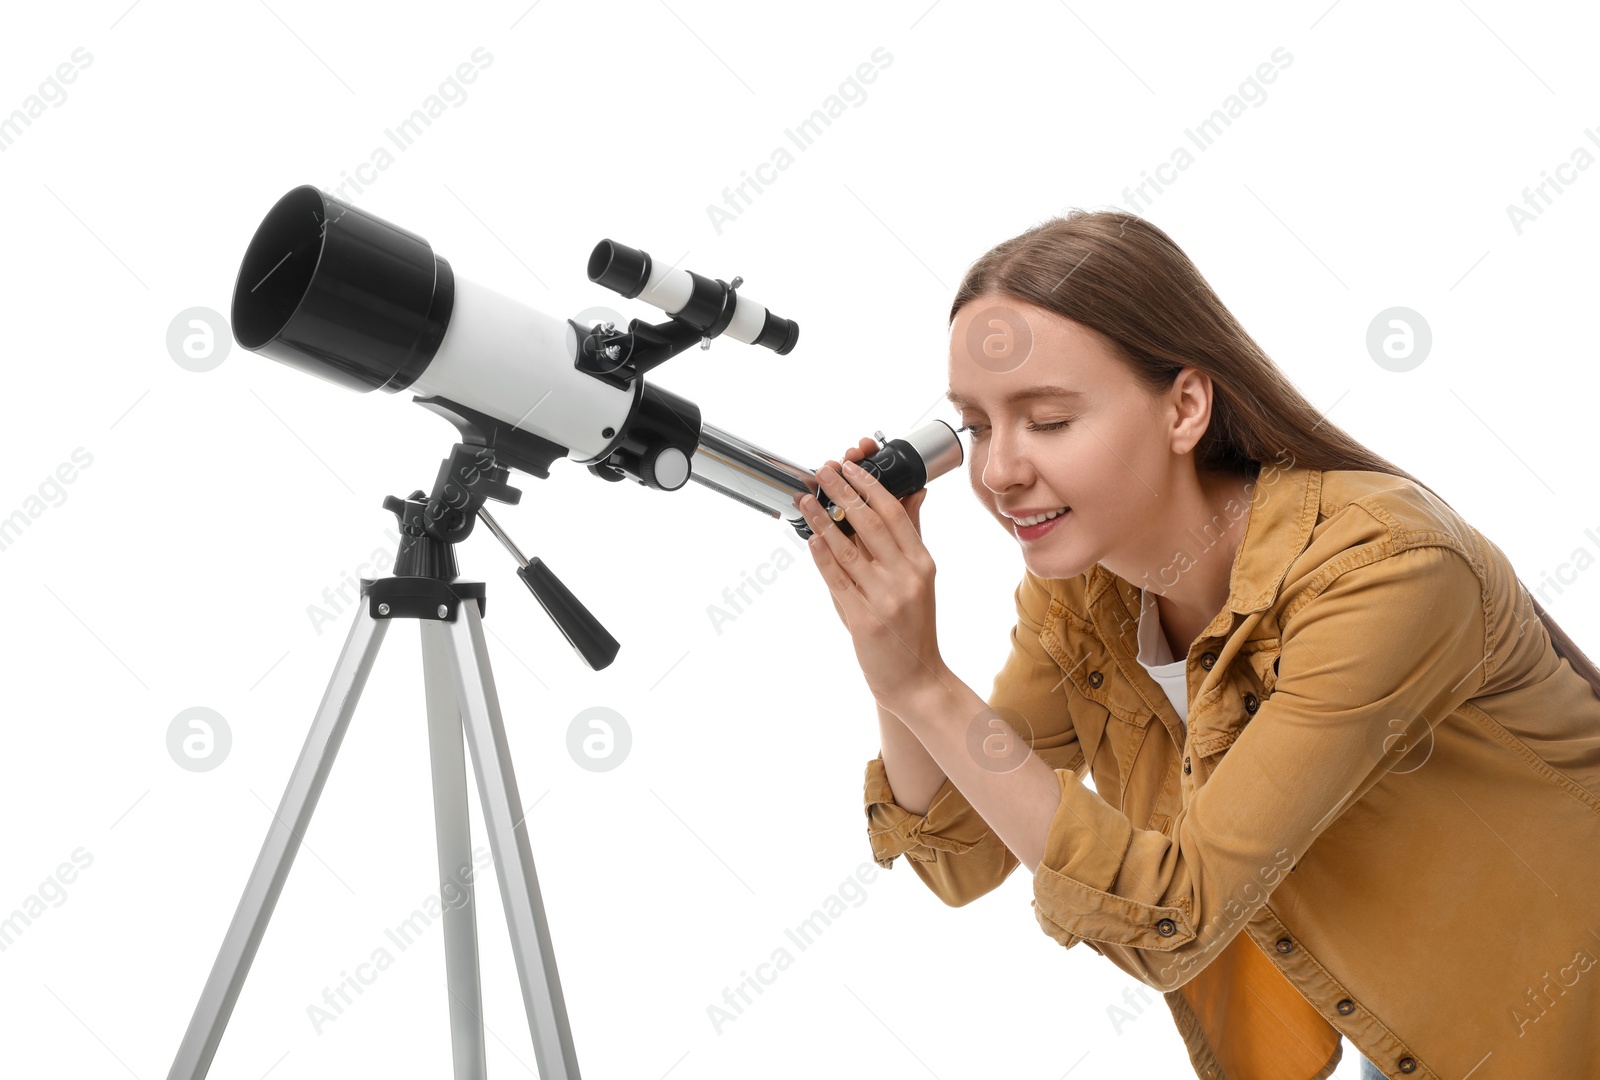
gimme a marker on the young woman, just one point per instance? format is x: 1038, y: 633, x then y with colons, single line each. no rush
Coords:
x: 1346, y: 771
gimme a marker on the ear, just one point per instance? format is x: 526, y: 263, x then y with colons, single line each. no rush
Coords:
x: 1193, y: 390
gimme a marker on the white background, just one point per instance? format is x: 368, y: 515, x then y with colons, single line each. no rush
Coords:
x: 177, y: 569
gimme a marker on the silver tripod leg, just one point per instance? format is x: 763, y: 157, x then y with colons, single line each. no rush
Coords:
x: 554, y: 1053
x: 278, y: 852
x: 461, y: 697
x: 454, y: 832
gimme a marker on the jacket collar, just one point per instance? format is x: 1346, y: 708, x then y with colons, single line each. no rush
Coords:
x: 1282, y: 515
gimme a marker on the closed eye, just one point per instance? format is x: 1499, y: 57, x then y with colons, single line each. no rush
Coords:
x: 976, y: 428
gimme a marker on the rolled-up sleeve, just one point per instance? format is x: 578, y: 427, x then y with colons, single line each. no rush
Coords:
x: 1402, y: 636
x: 951, y: 848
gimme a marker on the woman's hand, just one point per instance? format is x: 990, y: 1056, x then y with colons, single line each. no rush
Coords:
x: 913, y: 503
x: 880, y: 579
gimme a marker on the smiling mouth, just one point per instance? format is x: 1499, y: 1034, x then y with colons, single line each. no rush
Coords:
x: 1054, y: 515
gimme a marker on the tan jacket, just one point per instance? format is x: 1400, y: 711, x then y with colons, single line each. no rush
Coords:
x: 1384, y: 820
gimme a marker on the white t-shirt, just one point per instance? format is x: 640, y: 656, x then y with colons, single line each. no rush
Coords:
x: 1156, y: 656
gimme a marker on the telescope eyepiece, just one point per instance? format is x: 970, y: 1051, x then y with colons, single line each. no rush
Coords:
x: 620, y: 268
x: 709, y: 305
x: 778, y: 334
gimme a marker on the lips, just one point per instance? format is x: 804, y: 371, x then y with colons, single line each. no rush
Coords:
x: 1017, y: 515
x: 1031, y: 533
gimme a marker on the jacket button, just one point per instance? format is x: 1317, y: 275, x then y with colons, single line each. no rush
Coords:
x: 1166, y: 927
x: 1186, y: 766
x: 1407, y: 1065
x: 1284, y: 944
x: 1251, y: 704
x: 1345, y: 1006
x: 1207, y: 659
x: 1095, y: 678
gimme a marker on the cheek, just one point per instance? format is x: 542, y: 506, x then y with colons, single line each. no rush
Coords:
x: 1118, y: 455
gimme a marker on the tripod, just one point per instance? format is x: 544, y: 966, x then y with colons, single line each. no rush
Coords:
x: 460, y: 693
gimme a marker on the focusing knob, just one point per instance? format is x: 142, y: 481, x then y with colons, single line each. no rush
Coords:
x: 667, y: 468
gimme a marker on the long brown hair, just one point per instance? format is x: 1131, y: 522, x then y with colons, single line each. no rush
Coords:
x: 1122, y: 276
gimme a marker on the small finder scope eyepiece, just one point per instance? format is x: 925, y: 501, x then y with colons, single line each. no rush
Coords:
x: 710, y: 305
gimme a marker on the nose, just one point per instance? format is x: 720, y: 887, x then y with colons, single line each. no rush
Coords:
x: 1004, y: 464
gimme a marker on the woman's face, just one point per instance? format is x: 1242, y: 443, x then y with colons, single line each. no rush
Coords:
x: 1099, y: 443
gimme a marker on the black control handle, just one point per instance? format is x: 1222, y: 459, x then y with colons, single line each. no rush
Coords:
x: 582, y: 630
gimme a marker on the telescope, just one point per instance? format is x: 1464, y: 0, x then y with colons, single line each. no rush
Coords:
x: 335, y: 291
x: 338, y: 292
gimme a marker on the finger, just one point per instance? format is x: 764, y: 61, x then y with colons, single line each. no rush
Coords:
x: 816, y: 487
x: 913, y: 502
x: 914, y: 509
x: 825, y: 544
x: 888, y: 511
x: 850, y: 552
x: 841, y: 586
x: 869, y: 527
x: 866, y: 552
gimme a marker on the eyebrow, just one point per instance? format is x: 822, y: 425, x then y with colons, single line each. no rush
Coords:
x: 1019, y: 395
